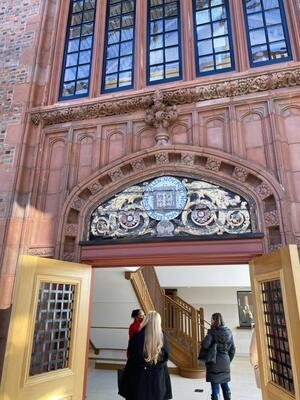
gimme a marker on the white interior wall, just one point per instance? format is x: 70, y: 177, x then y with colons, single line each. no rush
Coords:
x: 114, y: 299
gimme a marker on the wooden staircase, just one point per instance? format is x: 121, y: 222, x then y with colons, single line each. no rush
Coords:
x: 183, y: 325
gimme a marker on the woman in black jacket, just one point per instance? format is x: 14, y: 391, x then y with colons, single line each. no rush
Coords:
x: 146, y: 375
x: 218, y: 374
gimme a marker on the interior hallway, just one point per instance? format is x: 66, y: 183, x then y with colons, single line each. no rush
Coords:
x: 102, y: 385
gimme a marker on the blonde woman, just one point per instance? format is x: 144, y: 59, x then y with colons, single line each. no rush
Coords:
x: 146, y: 375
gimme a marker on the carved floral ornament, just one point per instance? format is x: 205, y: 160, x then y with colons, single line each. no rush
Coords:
x: 172, y: 207
x: 159, y: 107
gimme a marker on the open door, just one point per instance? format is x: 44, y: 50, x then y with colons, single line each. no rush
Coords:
x: 47, y: 340
x: 275, y: 280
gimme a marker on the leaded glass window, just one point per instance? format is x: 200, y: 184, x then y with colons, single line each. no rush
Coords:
x: 164, y: 41
x: 76, y: 71
x: 118, y: 65
x: 268, y: 39
x: 213, y: 43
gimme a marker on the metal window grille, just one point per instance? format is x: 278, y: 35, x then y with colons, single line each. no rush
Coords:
x: 53, y: 325
x: 277, y: 337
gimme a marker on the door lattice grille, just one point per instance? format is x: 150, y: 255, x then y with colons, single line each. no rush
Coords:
x: 277, y: 338
x: 53, y: 325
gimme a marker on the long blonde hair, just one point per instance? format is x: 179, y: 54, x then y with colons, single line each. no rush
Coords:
x: 153, y: 337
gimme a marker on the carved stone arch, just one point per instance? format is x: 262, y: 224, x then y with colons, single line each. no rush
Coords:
x: 214, y: 166
x: 287, y: 109
x: 213, y: 118
x: 85, y: 138
x: 253, y: 112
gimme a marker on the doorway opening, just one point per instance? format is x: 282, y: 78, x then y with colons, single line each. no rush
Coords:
x: 213, y: 287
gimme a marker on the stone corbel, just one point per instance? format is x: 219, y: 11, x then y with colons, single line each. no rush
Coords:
x: 160, y: 116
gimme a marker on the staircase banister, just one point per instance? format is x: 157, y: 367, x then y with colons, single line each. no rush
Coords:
x: 182, y: 302
x: 176, y: 304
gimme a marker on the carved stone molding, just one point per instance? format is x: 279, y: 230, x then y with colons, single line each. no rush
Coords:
x: 263, y: 190
x: 297, y: 240
x: 213, y: 164
x: 187, y: 159
x: 240, y: 174
x: 78, y: 204
x: 167, y: 160
x: 169, y: 98
x: 71, y: 229
x: 69, y: 257
x: 162, y: 158
x: 95, y: 187
x: 116, y: 174
x: 271, y: 218
x: 40, y: 251
x: 138, y: 165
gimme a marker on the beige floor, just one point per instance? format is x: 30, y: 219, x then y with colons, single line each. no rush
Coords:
x: 102, y: 385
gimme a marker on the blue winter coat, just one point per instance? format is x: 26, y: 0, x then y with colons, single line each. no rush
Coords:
x: 220, y: 371
x: 144, y: 381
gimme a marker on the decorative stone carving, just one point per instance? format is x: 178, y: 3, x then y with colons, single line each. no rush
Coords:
x: 240, y: 174
x: 156, y: 114
x: 160, y: 117
x: 69, y: 257
x: 271, y: 218
x: 138, y: 165
x: 162, y: 158
x: 155, y: 159
x: 78, y: 203
x: 213, y: 164
x: 187, y: 159
x: 160, y: 112
x: 297, y: 240
x: 3, y: 205
x: 71, y: 229
x: 40, y: 251
x: 274, y: 247
x: 116, y: 174
x: 263, y: 190
x: 95, y: 187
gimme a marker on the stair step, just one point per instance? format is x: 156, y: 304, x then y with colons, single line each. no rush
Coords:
x: 97, y: 358
x: 109, y: 365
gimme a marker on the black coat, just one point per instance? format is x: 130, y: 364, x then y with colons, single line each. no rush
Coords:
x: 220, y: 371
x: 142, y: 381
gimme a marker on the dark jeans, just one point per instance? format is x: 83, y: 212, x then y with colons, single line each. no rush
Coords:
x: 215, y: 388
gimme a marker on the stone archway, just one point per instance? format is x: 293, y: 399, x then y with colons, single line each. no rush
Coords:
x: 185, y: 161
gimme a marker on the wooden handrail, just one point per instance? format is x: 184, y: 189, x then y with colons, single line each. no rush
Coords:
x: 182, y: 323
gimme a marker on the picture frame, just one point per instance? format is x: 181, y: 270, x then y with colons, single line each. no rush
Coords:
x: 245, y: 308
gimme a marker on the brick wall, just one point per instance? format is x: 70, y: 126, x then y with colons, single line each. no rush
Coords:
x: 16, y: 37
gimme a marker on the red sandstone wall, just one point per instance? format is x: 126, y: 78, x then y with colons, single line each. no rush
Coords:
x: 260, y: 128
x: 19, y: 23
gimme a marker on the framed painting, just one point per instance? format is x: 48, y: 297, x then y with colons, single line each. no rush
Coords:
x: 245, y: 308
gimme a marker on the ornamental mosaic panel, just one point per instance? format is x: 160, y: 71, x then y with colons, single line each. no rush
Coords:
x: 172, y: 207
